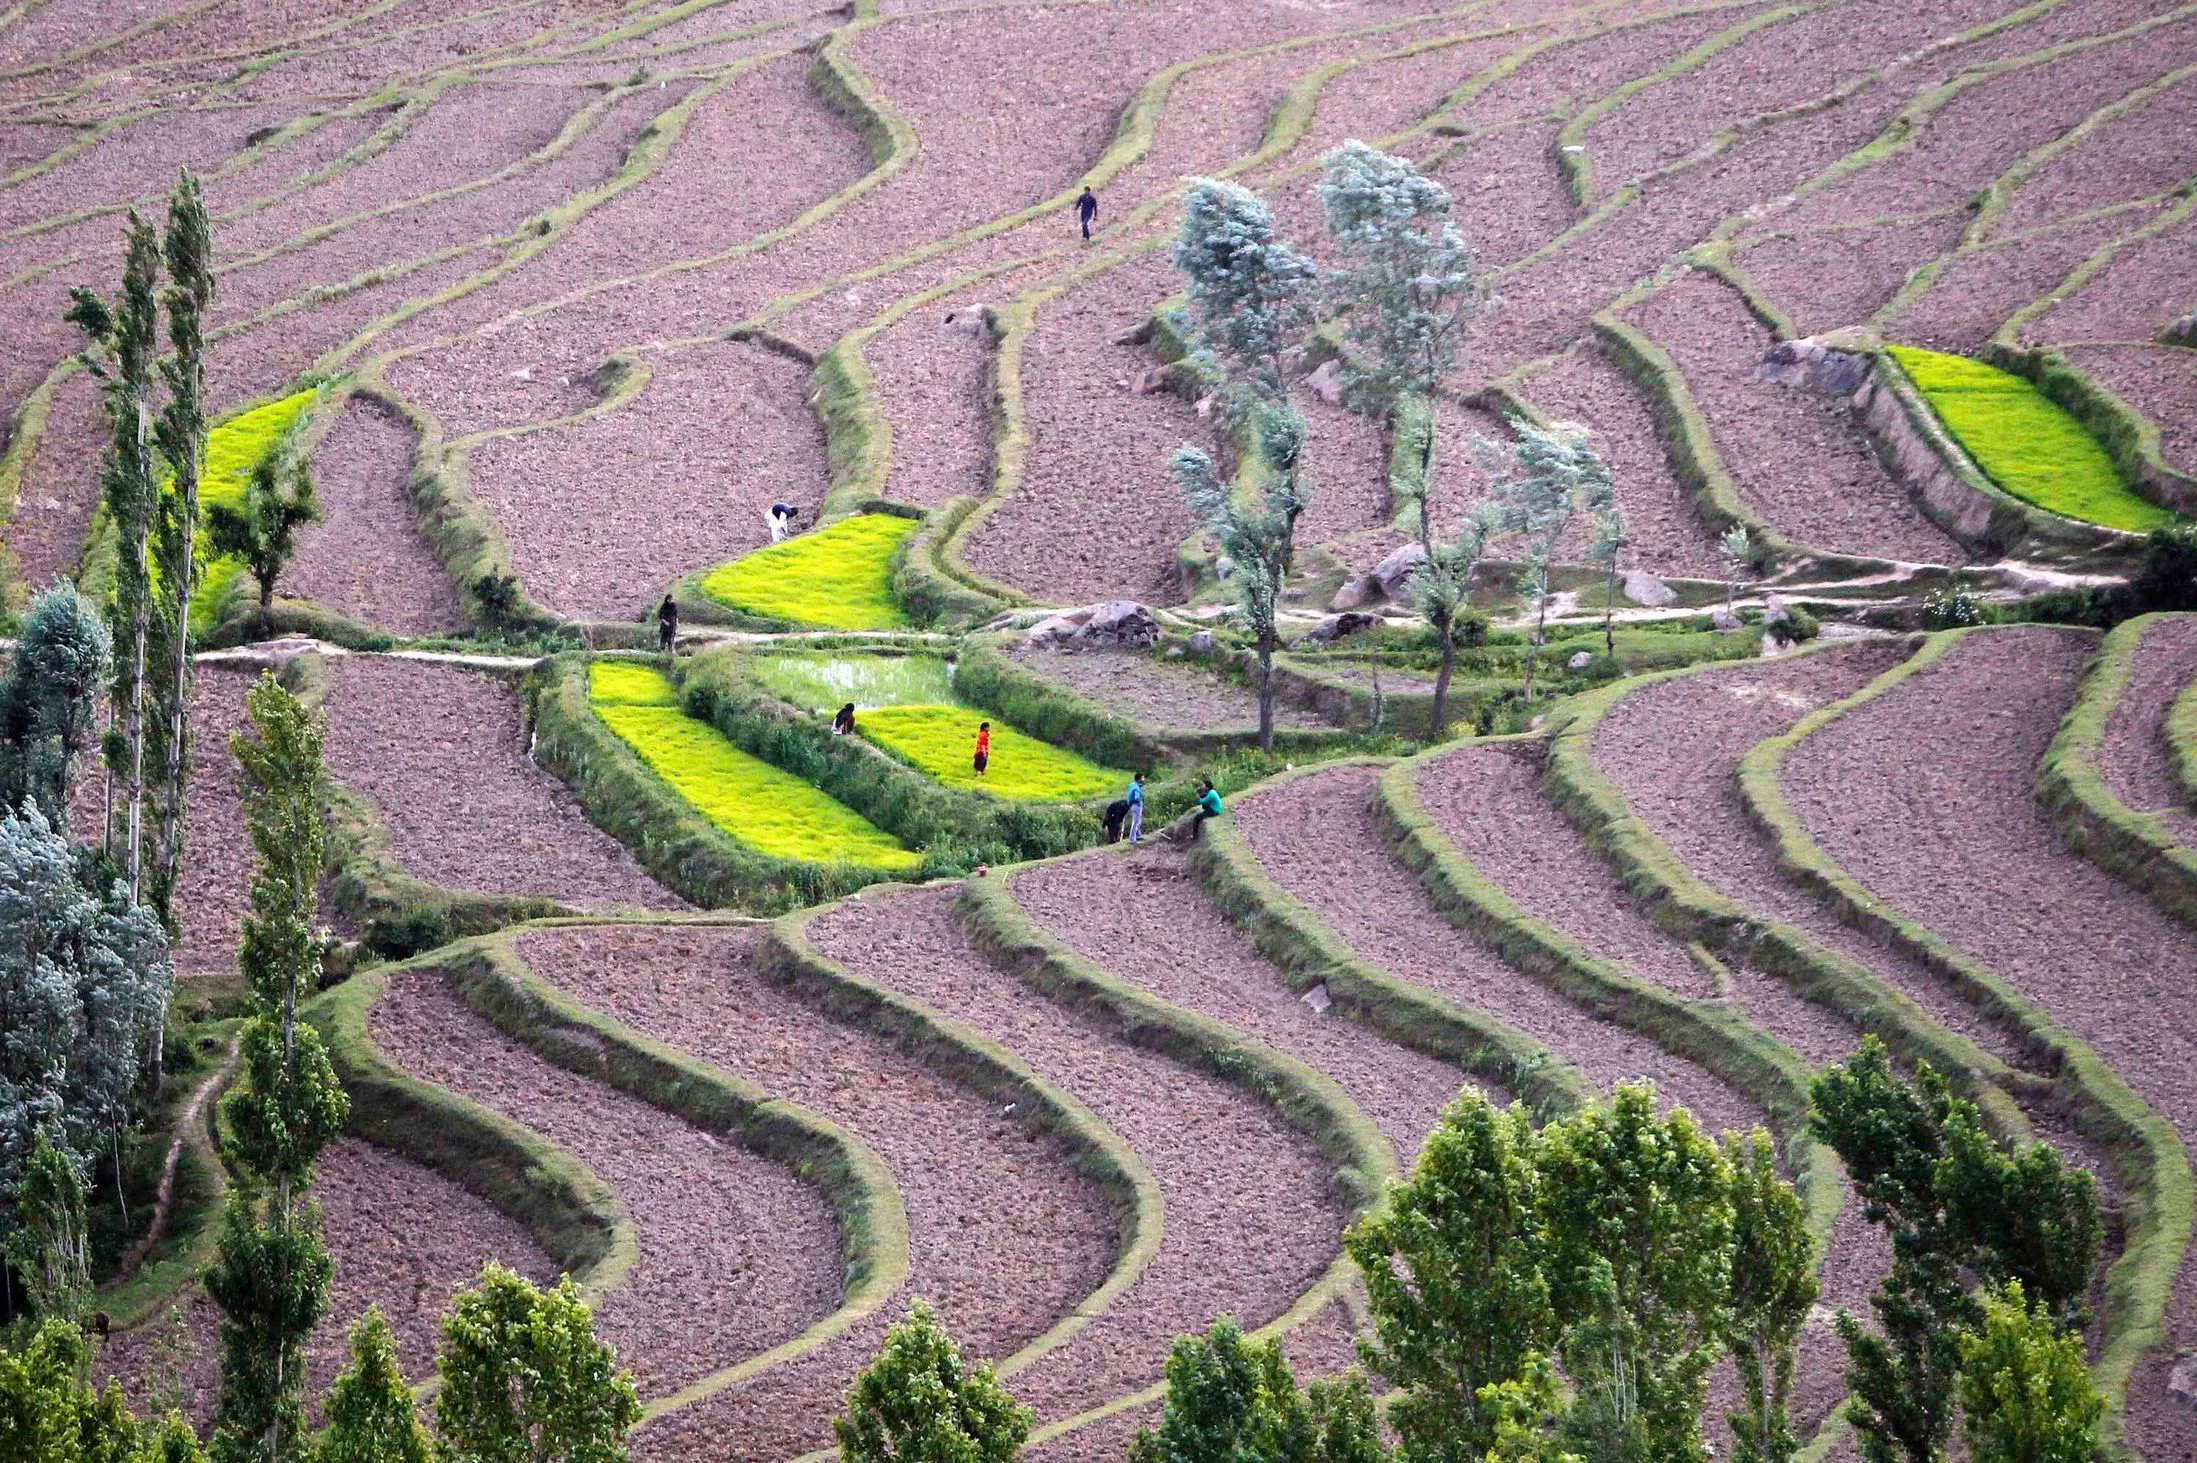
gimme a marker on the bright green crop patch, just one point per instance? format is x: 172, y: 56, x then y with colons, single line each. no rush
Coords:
x: 942, y: 741
x: 837, y: 578
x: 233, y: 449
x: 2026, y: 443
x: 828, y: 682
x: 769, y: 810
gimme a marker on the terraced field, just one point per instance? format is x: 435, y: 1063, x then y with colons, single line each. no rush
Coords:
x: 762, y: 1026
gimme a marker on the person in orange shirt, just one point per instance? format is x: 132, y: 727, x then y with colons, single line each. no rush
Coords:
x: 983, y: 746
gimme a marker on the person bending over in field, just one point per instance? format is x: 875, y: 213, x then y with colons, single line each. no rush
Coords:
x: 983, y: 746
x: 781, y: 521
x: 843, y: 723
x: 667, y: 625
x: 1117, y: 813
x: 1086, y: 209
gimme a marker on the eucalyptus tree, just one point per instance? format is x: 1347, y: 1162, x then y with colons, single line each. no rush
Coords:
x: 1441, y: 590
x: 1252, y: 297
x: 1541, y: 482
x: 49, y: 699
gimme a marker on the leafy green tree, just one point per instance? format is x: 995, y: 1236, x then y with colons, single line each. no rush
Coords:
x: 2026, y: 1395
x: 50, y: 1414
x: 1955, y: 1204
x: 524, y: 1379
x: 1773, y: 1287
x: 1548, y: 476
x: 271, y: 1277
x: 1453, y: 1266
x: 188, y: 248
x: 50, y: 698
x: 1256, y: 537
x: 1233, y: 1400
x: 1638, y: 1217
x: 1527, y: 1411
x: 1441, y: 590
x: 262, y: 531
x: 1346, y: 1422
x: 123, y: 335
x: 1407, y: 279
x: 371, y: 1418
x: 174, y: 1442
x: 48, y: 1246
x: 919, y: 1402
x: 1251, y: 295
x: 83, y: 985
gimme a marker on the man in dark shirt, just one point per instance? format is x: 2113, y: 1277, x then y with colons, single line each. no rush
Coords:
x: 1086, y: 209
x: 667, y: 624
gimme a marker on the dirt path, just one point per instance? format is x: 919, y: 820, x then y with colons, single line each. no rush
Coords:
x: 1004, y: 1237
x: 1924, y: 795
x: 186, y: 1124
x: 736, y: 1254
x: 1252, y: 1213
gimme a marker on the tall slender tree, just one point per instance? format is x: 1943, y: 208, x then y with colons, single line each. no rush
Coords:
x: 1773, y: 1286
x: 1251, y: 295
x: 189, y: 248
x: 271, y: 1278
x: 1441, y: 590
x: 123, y: 335
x: 1541, y: 482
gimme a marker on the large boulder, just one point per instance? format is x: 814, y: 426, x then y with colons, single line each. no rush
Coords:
x: 1340, y: 627
x: 1326, y: 382
x: 1116, y: 622
x: 1813, y: 365
x: 1643, y: 588
x: 1394, y: 569
x: 2181, y: 332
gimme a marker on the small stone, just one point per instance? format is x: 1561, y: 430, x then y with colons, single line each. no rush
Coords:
x: 1643, y: 588
x: 2181, y: 1383
x: 1317, y: 998
x: 1150, y: 380
x: 1725, y: 620
x: 1580, y: 660
x: 1774, y: 611
x: 1202, y: 642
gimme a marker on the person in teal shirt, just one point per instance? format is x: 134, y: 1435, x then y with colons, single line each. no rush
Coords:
x: 1135, y: 797
x: 1209, y: 806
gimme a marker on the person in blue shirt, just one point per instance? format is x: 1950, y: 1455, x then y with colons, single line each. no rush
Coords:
x: 1135, y: 799
x: 1086, y: 209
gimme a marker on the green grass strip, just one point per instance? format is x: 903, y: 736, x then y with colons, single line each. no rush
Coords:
x: 2136, y: 847
x: 2181, y: 743
x: 873, y: 1226
x: 837, y: 578
x: 1308, y: 953
x: 941, y: 740
x: 773, y: 812
x: 2027, y: 444
x: 1712, y: 1034
x: 2147, y: 1155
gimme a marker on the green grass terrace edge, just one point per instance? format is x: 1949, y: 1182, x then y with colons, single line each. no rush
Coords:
x: 571, y: 1213
x: 398, y: 914
x: 1684, y: 906
x: 1308, y: 953
x: 2181, y: 743
x: 2137, y: 848
x: 788, y: 958
x: 492, y: 977
x: 1711, y: 1033
x: 622, y: 796
x: 2129, y: 438
x: 2157, y: 1190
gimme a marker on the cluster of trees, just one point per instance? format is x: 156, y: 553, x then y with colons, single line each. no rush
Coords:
x: 1398, y: 302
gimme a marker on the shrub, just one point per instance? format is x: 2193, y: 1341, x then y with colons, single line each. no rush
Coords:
x: 1951, y: 608
x: 942, y: 739
x: 524, y: 1379
x: 770, y: 810
x: 839, y: 577
x: 919, y: 1402
x: 2026, y: 443
x: 2026, y: 1395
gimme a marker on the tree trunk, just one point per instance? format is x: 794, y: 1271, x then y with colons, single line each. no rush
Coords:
x: 1609, y: 609
x: 1448, y: 633
x: 1266, y: 690
x: 106, y: 826
x: 140, y: 616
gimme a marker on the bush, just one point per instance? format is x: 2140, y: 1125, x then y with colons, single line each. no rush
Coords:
x: 919, y: 1402
x: 1799, y: 627
x: 1951, y: 608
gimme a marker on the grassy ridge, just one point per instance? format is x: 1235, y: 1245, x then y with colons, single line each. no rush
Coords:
x: 746, y: 798
x: 838, y: 578
x: 941, y: 740
x: 2027, y: 444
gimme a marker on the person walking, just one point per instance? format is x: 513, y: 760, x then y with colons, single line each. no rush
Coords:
x: 667, y: 625
x: 1086, y: 210
x: 843, y: 723
x: 1135, y: 799
x: 983, y: 746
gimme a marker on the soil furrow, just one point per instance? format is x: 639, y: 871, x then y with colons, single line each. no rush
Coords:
x: 1925, y: 796
x: 2133, y: 757
x: 1253, y: 1216
x: 736, y: 1254
x: 1005, y: 1238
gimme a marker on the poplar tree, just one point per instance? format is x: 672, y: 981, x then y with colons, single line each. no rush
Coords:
x: 189, y: 249
x: 1541, y: 482
x: 371, y: 1417
x: 1441, y: 590
x: 271, y: 1277
x: 1773, y: 1286
x: 123, y: 335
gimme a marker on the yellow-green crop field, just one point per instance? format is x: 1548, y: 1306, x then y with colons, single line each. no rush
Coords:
x: 942, y: 741
x: 769, y: 810
x: 233, y: 449
x: 837, y: 578
x: 2026, y: 443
